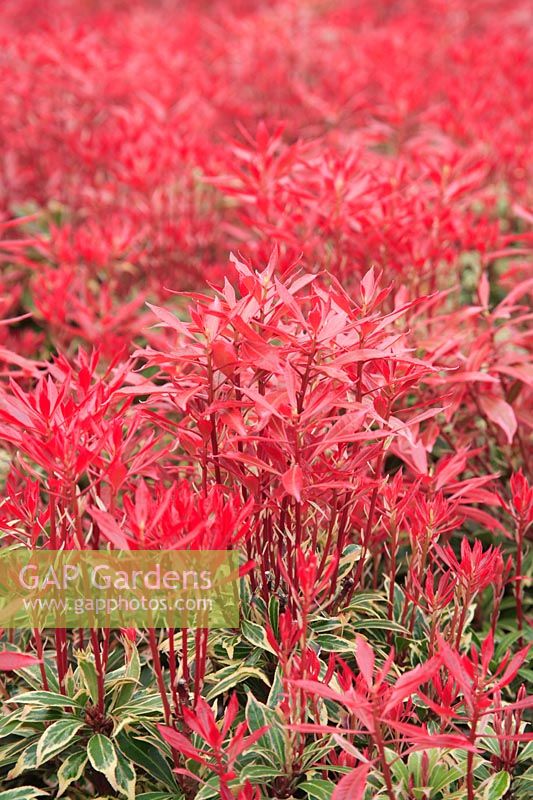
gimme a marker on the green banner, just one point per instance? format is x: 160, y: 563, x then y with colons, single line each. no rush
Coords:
x: 118, y: 589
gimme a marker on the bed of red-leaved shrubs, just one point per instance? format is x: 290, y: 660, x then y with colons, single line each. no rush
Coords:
x: 265, y: 286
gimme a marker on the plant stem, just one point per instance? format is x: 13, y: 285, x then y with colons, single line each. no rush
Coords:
x: 470, y: 761
x: 518, y: 580
x: 378, y: 736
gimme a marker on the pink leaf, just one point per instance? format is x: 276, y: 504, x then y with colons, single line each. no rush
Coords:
x: 364, y: 655
x: 499, y: 412
x: 169, y: 320
x: 321, y: 690
x: 483, y: 290
x: 109, y: 529
x: 10, y: 661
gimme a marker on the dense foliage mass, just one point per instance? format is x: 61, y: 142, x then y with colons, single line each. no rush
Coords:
x: 346, y: 399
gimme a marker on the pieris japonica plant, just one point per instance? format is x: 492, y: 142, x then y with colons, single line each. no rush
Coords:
x: 343, y: 406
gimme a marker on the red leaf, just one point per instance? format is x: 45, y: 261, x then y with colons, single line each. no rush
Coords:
x: 179, y: 742
x: 527, y: 702
x: 512, y: 668
x: 238, y: 747
x: 293, y: 482
x: 352, y: 786
x: 410, y: 681
x: 230, y: 713
x: 201, y: 721
x: 453, y: 663
x: 224, y: 356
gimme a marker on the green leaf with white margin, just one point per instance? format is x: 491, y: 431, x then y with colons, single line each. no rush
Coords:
x: 442, y: 778
x: 209, y: 791
x: 56, y: 738
x: 274, y: 739
x: 125, y: 777
x: 103, y: 756
x: 145, y: 703
x: 45, y: 699
x: 276, y: 694
x: 273, y: 614
x: 23, y: 793
x: 124, y: 691
x: 497, y: 786
x: 147, y: 756
x: 87, y: 668
x: 258, y: 772
x: 10, y: 752
x: 71, y: 770
x: 414, y: 764
x: 398, y: 768
x: 229, y: 677
x: 315, y: 752
x: 32, y: 676
x: 256, y: 635
x: 26, y: 760
x: 155, y: 796
x: 333, y: 644
x: 380, y: 625
x: 526, y: 754
x: 70, y: 683
x: 125, y: 722
x: 10, y: 724
x: 317, y: 789
x: 369, y: 601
